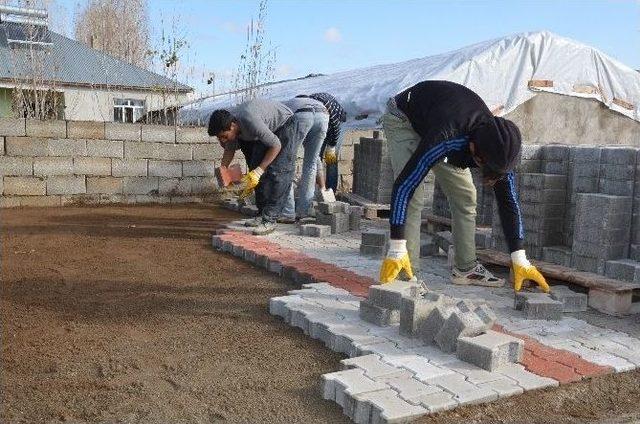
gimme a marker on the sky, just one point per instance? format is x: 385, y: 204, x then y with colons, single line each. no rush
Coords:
x: 326, y: 36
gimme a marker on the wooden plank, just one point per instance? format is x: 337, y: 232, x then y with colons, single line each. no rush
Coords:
x: 562, y: 273
x: 540, y: 83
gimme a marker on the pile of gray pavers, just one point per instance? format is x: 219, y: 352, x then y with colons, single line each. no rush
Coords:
x: 333, y: 217
x: 375, y: 243
x: 536, y: 305
x: 453, y: 325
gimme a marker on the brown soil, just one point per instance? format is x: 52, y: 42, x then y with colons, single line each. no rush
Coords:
x: 126, y: 315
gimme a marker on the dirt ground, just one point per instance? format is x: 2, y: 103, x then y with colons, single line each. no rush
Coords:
x: 126, y: 315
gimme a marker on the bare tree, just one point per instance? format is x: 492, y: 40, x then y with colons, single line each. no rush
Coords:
x: 117, y: 27
x: 257, y: 62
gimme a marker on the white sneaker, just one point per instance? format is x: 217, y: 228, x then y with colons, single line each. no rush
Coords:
x: 264, y: 228
x: 478, y: 276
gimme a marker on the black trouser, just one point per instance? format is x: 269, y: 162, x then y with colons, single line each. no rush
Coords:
x: 273, y: 189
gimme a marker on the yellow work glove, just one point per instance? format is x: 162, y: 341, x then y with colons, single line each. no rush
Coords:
x: 250, y: 181
x: 397, y: 260
x: 330, y: 156
x: 523, y: 270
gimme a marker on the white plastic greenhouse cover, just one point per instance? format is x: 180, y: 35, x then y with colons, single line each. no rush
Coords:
x: 500, y: 71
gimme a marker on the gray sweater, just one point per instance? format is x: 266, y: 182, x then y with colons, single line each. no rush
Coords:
x: 259, y: 120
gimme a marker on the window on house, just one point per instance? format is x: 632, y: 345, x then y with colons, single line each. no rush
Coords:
x: 127, y: 110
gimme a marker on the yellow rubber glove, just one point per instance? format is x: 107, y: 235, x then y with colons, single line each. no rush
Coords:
x: 523, y: 270
x: 330, y: 156
x: 250, y: 181
x: 397, y: 260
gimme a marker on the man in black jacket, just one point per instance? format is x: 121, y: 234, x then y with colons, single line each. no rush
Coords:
x: 446, y: 127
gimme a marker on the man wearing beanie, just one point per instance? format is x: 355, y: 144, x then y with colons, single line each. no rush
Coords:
x: 446, y: 127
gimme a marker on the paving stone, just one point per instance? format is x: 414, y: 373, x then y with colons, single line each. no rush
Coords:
x: 390, y: 295
x: 338, y: 386
x: 434, y: 322
x: 375, y: 237
x: 315, y: 230
x: 355, y: 220
x: 504, y: 387
x: 490, y: 350
x: 378, y: 315
x: 327, y: 195
x: 414, y: 310
x: 623, y: 269
x: 422, y: 369
x: 374, y: 251
x: 330, y: 207
x: 436, y: 402
x: 461, y: 322
x: 538, y: 306
x: 407, y: 386
x: 339, y: 222
x: 526, y: 379
x: 383, y: 406
x: 571, y: 301
x: 372, y: 366
x: 464, y: 392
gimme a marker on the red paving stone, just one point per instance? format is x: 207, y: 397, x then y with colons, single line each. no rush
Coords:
x: 561, y: 365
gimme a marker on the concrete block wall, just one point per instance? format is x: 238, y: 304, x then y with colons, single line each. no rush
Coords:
x: 54, y: 163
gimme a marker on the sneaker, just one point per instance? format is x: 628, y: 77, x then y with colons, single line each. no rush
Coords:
x: 253, y: 222
x: 264, y: 228
x: 478, y: 276
x: 286, y: 220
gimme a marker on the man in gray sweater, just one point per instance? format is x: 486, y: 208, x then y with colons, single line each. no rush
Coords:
x: 267, y: 133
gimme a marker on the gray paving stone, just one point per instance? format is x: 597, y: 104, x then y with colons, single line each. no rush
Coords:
x: 571, y: 301
x: 327, y: 196
x: 461, y: 322
x: 414, y: 310
x: 408, y: 388
x: 339, y: 222
x: 490, y: 350
x: 538, y: 306
x: 372, y: 366
x: 378, y: 315
x: 504, y: 387
x: 436, y: 402
x: 355, y: 220
x: 443, y: 239
x: 330, y: 207
x: 374, y: 251
x: 623, y: 269
x: 339, y: 385
x: 375, y: 237
x: 315, y: 230
x: 383, y: 406
x: 390, y: 295
x: 434, y: 322
x: 526, y: 379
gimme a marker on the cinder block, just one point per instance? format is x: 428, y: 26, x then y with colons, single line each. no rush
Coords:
x: 588, y: 264
x: 165, y: 168
x: 199, y: 169
x: 616, y: 188
x: 66, y: 185
x: 129, y: 167
x: 50, y: 129
x: 378, y: 315
x: 619, y: 155
x: 355, y: 220
x: 104, y: 185
x: 105, y: 148
x: 538, y: 306
x: 91, y: 166
x: 121, y: 131
x: 414, y: 311
x: 375, y: 238
x: 12, y: 127
x: 617, y: 172
x: 203, y: 185
x: 375, y: 251
x: 314, y: 230
x: 571, y: 301
x: 52, y: 166
x: 611, y: 303
x: 158, y: 133
x: 140, y: 185
x: 40, y: 201
x: 585, y: 154
x: 16, y: 166
x: 26, y: 146
x: 555, y: 152
x: 176, y: 187
x: 85, y: 129
x: 390, y: 295
x: 616, y: 251
x: 560, y: 168
x: 193, y: 135
x: 164, y: 151
x: 67, y: 147
x: 24, y: 186
x: 210, y: 151
x: 9, y: 202
x: 490, y: 350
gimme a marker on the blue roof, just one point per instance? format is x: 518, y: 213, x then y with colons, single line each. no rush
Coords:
x: 69, y: 62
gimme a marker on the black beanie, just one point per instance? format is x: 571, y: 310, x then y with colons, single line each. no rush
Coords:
x: 499, y: 143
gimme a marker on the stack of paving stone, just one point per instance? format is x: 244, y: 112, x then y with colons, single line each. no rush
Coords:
x: 333, y: 218
x: 374, y: 243
x: 536, y: 305
x: 372, y: 173
x: 601, y: 231
x: 452, y: 325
